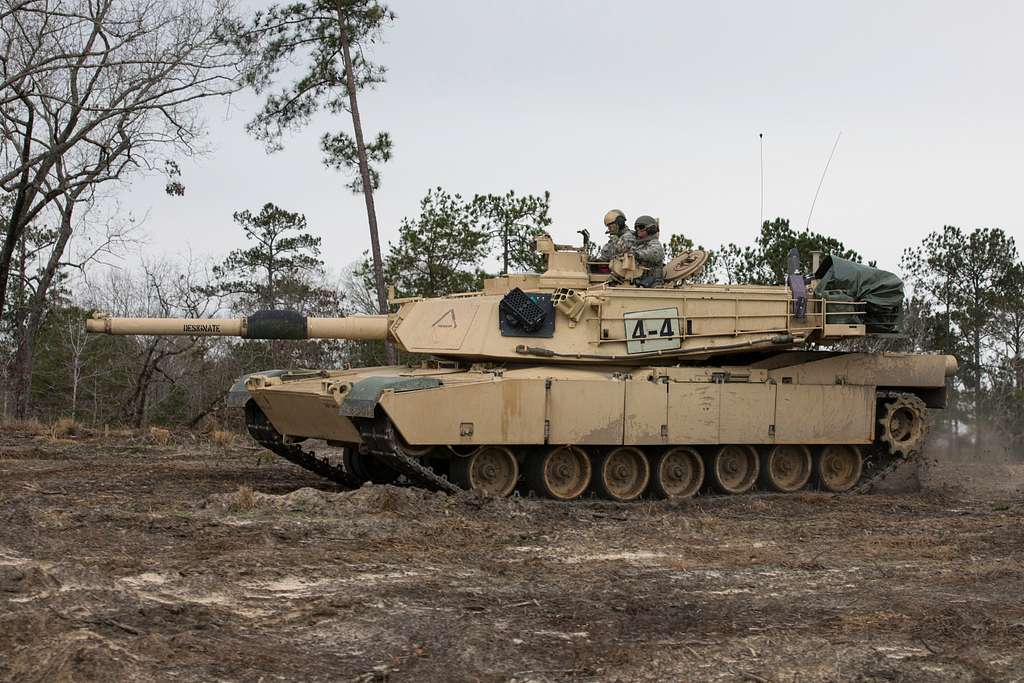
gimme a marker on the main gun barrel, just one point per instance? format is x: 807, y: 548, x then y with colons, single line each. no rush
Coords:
x: 260, y: 325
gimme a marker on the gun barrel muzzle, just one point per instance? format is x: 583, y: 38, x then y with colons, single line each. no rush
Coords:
x: 215, y: 327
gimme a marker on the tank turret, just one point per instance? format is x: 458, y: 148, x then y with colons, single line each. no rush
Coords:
x: 576, y: 379
x: 570, y: 314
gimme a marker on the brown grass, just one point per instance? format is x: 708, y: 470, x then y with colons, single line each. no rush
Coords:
x: 161, y: 437
x: 65, y: 427
x: 31, y: 426
x: 223, y: 439
x: 245, y: 499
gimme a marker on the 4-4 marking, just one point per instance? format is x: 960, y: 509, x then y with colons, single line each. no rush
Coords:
x: 653, y: 330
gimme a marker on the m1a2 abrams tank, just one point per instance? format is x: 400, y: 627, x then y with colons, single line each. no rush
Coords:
x: 561, y: 383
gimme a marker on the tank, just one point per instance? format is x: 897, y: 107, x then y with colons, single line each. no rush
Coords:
x: 563, y: 384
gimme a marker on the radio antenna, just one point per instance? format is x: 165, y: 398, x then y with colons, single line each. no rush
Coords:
x: 820, y: 182
x: 761, y: 138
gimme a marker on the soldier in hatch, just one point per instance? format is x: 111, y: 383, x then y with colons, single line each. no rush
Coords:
x: 620, y: 239
x: 649, y: 252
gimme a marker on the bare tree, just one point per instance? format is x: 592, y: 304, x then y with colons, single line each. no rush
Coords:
x: 37, y: 284
x: 156, y: 366
x: 98, y: 89
x: 75, y: 339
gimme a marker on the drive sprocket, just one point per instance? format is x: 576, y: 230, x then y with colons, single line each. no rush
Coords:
x: 903, y: 425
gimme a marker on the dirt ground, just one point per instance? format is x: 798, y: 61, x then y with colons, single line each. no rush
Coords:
x: 121, y: 559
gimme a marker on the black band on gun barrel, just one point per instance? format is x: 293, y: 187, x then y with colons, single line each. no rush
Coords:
x: 276, y: 325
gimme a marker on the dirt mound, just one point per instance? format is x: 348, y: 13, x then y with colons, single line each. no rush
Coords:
x: 367, y: 500
x: 25, y: 579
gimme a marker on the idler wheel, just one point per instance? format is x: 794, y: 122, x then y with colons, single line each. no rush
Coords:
x: 621, y: 474
x: 733, y: 469
x: 903, y: 426
x: 562, y: 473
x: 838, y: 467
x: 677, y: 473
x: 492, y: 470
x: 786, y: 468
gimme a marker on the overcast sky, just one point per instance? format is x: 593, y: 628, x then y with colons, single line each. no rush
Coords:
x: 655, y: 107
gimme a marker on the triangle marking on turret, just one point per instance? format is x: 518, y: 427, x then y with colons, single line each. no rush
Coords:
x: 446, y: 320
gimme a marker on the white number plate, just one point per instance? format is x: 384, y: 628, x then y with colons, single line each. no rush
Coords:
x: 656, y: 330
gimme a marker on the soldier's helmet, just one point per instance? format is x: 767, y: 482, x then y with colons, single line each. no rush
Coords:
x: 646, y: 227
x: 615, y: 221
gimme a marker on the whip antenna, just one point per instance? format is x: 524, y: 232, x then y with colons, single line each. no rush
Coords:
x: 761, y: 138
x: 820, y: 182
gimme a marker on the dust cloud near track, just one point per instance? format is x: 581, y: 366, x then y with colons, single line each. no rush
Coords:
x: 121, y: 559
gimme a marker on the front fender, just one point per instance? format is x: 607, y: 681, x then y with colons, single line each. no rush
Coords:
x: 238, y: 395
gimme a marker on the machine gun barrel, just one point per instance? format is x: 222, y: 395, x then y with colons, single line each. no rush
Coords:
x: 260, y: 325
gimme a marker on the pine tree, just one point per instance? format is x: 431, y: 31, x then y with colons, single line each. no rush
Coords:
x: 281, y: 269
x: 514, y: 222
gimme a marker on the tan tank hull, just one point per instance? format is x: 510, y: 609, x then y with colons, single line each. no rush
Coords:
x: 793, y: 405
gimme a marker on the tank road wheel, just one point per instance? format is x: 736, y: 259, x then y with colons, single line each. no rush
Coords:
x: 786, y: 468
x: 733, y: 469
x: 903, y: 426
x: 621, y: 474
x: 837, y: 467
x: 677, y: 473
x: 492, y: 470
x: 562, y: 473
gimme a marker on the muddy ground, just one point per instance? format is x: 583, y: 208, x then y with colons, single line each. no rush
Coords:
x: 120, y: 559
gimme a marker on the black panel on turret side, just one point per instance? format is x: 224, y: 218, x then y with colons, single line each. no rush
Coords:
x: 545, y: 331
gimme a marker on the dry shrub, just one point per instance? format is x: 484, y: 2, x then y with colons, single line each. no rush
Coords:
x: 207, y: 425
x: 223, y: 439
x: 65, y: 427
x: 161, y: 437
x: 245, y: 499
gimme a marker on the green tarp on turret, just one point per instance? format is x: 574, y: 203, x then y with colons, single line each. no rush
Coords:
x: 840, y: 280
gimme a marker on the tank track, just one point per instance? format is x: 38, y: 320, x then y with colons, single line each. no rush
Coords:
x: 379, y: 438
x: 265, y: 435
x: 878, y: 464
x: 381, y: 441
